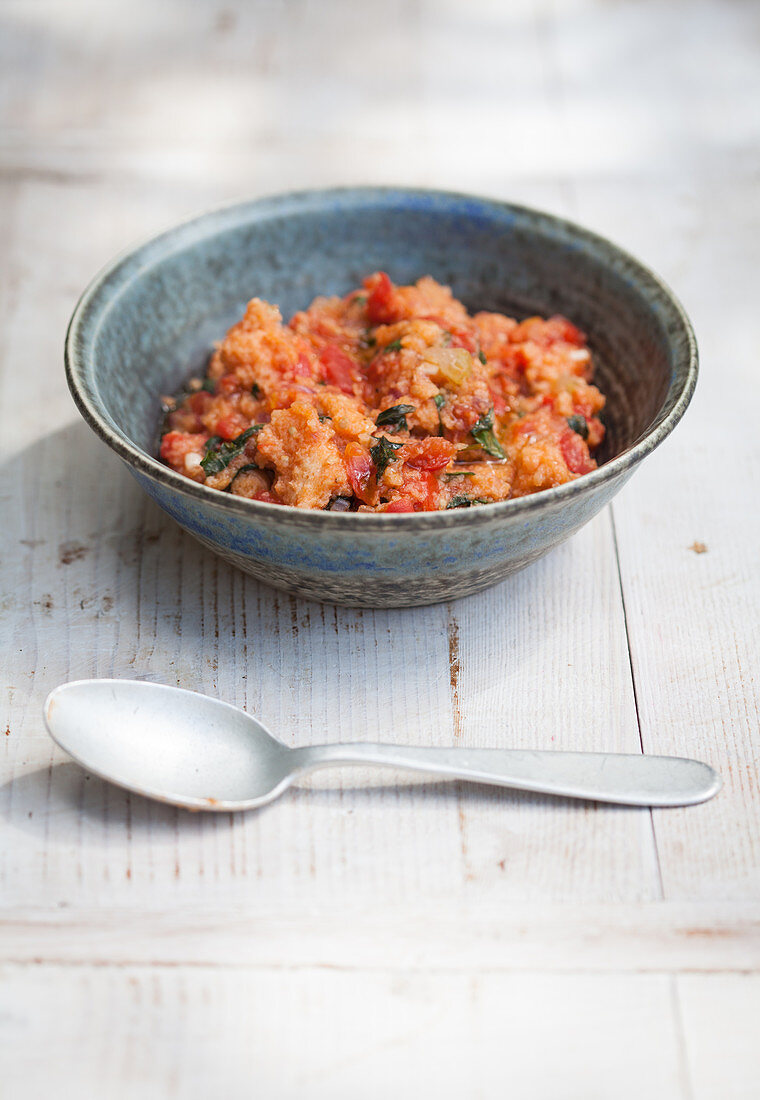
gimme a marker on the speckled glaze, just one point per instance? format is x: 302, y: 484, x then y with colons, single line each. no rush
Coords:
x: 148, y: 321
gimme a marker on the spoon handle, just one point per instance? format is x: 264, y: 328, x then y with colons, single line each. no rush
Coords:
x: 632, y: 780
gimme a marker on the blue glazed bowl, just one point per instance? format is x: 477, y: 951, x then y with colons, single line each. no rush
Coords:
x: 148, y: 321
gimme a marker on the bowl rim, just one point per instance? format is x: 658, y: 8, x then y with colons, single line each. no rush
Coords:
x: 94, y: 303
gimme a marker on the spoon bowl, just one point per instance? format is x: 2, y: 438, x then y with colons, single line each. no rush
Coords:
x: 166, y: 743
x: 197, y: 752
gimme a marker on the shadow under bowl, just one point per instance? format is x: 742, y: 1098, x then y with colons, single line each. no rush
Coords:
x: 149, y: 320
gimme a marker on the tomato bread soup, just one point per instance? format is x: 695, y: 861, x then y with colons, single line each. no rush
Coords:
x: 390, y: 399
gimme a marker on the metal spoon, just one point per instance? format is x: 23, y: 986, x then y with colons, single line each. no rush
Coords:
x: 197, y: 752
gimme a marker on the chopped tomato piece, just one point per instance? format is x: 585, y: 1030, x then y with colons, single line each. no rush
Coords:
x: 421, y: 486
x: 462, y: 417
x: 527, y: 425
x: 338, y: 368
x: 199, y: 402
x: 381, y: 301
x: 555, y: 330
x: 499, y: 404
x: 433, y: 491
x: 230, y: 427
x: 595, y: 432
x: 562, y: 329
x: 176, y: 445
x: 513, y: 361
x: 575, y: 453
x: 359, y: 470
x: 188, y: 415
x: 302, y: 369
x: 228, y: 383
x: 460, y: 338
x: 432, y: 453
x: 585, y: 405
x: 403, y: 504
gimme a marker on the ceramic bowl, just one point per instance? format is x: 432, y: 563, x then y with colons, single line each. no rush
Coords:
x: 148, y: 321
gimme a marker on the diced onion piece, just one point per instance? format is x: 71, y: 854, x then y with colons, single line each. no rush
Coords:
x: 192, y: 461
x: 454, y: 364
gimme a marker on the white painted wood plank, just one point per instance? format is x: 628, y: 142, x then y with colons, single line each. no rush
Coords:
x: 541, y: 661
x: 449, y: 934
x: 694, y: 617
x: 166, y: 1033
x: 720, y: 1018
x: 268, y: 93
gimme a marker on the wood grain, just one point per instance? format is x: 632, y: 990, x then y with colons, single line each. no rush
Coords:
x: 195, y: 1032
x: 719, y: 1019
x: 694, y: 618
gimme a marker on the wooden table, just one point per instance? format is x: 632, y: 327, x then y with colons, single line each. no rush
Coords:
x: 365, y: 938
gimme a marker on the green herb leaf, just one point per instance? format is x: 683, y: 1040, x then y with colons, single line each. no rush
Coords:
x: 243, y: 438
x: 394, y: 418
x: 219, y: 454
x: 255, y: 390
x: 460, y: 473
x: 466, y: 502
x: 359, y: 300
x: 439, y: 401
x: 579, y: 425
x: 383, y: 453
x: 482, y: 357
x: 213, y: 463
x: 482, y: 433
x: 209, y: 385
x: 367, y: 340
x: 395, y: 345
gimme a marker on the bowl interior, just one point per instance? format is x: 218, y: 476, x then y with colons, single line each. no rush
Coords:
x: 151, y: 322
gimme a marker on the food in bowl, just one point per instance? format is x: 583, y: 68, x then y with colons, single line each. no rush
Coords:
x: 389, y: 399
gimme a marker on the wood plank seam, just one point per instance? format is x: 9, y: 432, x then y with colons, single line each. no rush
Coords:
x: 634, y: 686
